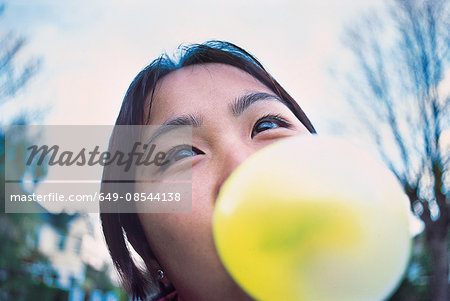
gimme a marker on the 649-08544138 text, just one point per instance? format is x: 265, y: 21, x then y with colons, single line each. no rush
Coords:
x: 102, y: 197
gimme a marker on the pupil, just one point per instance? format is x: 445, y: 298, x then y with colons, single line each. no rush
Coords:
x: 267, y: 125
x: 183, y: 153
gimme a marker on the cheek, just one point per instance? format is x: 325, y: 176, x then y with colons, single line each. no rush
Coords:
x: 202, y: 193
x: 181, y: 231
x: 177, y: 239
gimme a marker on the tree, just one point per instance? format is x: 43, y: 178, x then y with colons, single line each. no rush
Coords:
x: 25, y: 272
x: 12, y: 77
x: 402, y: 61
x: 21, y: 263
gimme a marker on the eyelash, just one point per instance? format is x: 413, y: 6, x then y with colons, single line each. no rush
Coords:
x: 171, y: 154
x: 276, y: 118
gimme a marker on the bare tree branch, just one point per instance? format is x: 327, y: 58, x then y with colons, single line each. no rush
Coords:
x: 12, y: 77
x: 403, y: 110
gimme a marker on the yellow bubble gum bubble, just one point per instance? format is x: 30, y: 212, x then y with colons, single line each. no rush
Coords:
x: 313, y: 218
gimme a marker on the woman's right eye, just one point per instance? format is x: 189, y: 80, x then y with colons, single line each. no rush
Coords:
x: 182, y: 151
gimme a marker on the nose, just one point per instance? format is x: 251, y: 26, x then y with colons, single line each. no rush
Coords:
x: 230, y: 159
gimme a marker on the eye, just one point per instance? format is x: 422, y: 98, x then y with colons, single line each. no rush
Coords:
x: 184, y: 151
x: 269, y: 122
x: 180, y: 152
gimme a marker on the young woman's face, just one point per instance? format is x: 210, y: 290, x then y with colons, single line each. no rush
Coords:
x: 237, y: 116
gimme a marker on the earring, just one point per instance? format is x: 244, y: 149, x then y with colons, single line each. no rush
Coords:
x: 160, y: 274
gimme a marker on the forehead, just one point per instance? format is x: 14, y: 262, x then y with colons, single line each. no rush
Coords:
x: 206, y: 87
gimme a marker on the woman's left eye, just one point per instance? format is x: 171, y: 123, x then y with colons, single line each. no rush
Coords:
x: 269, y: 122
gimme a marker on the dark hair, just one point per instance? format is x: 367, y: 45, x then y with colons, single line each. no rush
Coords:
x: 117, y: 227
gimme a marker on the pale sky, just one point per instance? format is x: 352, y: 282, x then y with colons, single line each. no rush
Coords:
x: 91, y: 50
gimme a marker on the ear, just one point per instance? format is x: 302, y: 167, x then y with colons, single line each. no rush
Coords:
x: 157, y: 272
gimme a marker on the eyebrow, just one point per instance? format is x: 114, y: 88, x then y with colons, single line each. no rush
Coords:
x: 173, y: 124
x: 244, y: 101
x: 238, y: 107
